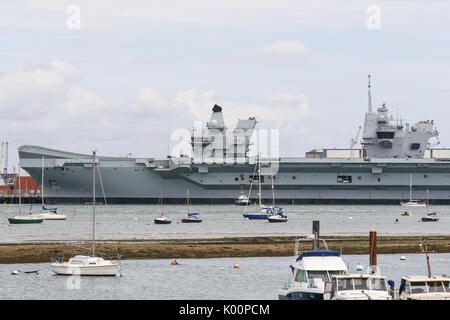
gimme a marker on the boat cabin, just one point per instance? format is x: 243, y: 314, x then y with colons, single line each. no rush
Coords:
x: 424, y: 288
x: 357, y: 287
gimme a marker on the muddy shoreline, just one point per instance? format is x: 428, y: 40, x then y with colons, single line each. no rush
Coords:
x: 38, y: 252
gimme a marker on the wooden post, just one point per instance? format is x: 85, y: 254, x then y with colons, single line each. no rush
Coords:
x: 373, y: 249
x: 315, y: 231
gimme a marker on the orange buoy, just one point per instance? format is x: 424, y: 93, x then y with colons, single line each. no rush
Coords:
x: 236, y: 266
x: 174, y: 262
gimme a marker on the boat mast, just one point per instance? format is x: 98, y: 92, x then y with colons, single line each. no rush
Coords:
x: 370, y: 96
x: 425, y: 250
x: 273, y: 193
x: 187, y: 200
x: 410, y: 187
x: 42, y: 183
x: 259, y: 178
x: 20, y: 196
x: 93, y: 203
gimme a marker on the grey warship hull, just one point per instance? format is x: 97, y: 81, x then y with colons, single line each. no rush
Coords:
x: 137, y: 180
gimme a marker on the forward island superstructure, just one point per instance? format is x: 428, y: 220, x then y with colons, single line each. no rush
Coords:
x: 220, y: 168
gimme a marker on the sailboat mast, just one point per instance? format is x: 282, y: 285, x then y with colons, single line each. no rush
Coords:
x: 259, y: 178
x: 93, y: 203
x: 42, y: 183
x: 273, y: 193
x: 187, y: 200
x: 20, y: 196
x: 410, y: 187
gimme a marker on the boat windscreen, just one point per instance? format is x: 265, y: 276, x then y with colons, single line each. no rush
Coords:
x: 377, y: 284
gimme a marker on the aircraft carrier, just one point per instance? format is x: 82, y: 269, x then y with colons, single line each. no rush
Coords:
x: 392, y: 154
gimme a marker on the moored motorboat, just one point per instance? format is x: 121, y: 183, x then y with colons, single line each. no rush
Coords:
x: 427, y: 287
x: 242, y: 200
x: 310, y: 271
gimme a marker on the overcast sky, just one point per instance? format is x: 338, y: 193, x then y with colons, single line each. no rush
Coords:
x: 135, y: 71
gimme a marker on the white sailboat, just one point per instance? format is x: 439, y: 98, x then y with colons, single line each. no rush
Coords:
x: 411, y: 202
x: 87, y: 265
x: 48, y: 213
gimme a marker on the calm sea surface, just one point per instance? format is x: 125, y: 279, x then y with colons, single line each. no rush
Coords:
x: 215, y: 279
x: 136, y: 222
x: 192, y: 279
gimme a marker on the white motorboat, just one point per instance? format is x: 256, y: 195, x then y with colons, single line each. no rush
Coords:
x: 310, y: 271
x: 242, y: 200
x: 357, y: 287
x: 86, y: 265
x: 424, y: 288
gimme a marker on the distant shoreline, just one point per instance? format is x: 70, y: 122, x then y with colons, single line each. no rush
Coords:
x: 41, y: 252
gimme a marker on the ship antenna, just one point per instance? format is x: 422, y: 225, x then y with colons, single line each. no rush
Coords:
x: 370, y: 96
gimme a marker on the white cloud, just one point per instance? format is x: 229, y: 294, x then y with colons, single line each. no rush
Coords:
x: 286, y: 48
x: 81, y: 102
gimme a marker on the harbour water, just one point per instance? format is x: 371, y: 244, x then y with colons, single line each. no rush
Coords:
x: 192, y: 279
x: 116, y: 222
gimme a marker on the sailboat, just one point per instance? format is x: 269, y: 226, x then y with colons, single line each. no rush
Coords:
x: 192, y: 217
x: 278, y: 214
x: 429, y: 216
x: 162, y: 219
x: 48, y: 213
x: 263, y: 212
x: 87, y: 265
x: 22, y: 219
x: 411, y: 202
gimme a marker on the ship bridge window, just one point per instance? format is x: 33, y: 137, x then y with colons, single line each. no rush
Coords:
x: 415, y: 146
x: 344, y: 179
x: 385, y: 135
